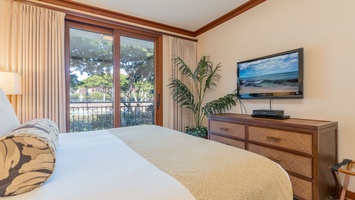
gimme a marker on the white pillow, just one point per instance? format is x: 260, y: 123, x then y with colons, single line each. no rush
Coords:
x: 8, y: 118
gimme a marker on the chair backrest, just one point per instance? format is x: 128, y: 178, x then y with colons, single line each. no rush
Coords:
x: 8, y: 118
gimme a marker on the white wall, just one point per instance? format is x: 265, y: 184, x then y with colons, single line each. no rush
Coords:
x: 326, y: 30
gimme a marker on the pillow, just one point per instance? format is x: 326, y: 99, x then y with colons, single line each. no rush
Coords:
x: 8, y: 118
x: 27, y: 156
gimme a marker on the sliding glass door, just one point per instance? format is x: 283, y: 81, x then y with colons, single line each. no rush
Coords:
x: 91, y: 80
x: 137, y: 81
x: 112, y: 79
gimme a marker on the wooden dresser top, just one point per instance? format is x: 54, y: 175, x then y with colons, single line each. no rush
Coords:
x: 292, y: 122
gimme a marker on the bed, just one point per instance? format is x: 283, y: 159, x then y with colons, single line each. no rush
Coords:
x: 152, y: 162
x: 144, y: 162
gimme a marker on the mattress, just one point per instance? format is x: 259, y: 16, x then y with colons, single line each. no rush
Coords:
x: 151, y: 162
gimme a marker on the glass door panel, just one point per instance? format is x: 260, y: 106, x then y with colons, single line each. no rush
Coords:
x: 137, y: 88
x: 91, y: 80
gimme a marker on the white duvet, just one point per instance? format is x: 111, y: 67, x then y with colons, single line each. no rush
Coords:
x: 99, y: 166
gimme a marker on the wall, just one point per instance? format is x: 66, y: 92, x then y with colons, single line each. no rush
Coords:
x: 326, y: 30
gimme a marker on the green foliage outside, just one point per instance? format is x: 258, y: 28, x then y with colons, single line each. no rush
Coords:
x: 93, y: 59
x: 90, y: 123
x: 74, y: 82
x: 130, y: 116
x: 98, y: 96
x: 101, y: 84
x: 74, y: 97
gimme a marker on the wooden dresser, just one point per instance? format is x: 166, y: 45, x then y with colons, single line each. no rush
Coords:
x: 304, y: 148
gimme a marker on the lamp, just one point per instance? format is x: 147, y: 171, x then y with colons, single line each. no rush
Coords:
x: 10, y: 82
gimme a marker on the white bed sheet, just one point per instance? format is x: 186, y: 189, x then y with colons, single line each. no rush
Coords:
x: 97, y: 165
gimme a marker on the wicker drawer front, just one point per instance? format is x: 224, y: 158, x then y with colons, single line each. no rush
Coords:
x: 228, y: 141
x: 301, y: 188
x: 281, y: 138
x: 291, y: 162
x: 226, y: 128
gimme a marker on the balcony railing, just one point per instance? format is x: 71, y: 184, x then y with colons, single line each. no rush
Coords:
x: 88, y: 116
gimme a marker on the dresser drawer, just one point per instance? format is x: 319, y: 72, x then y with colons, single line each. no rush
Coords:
x: 228, y: 141
x: 226, y: 128
x: 301, y: 146
x: 281, y: 138
x: 301, y: 188
x: 291, y: 162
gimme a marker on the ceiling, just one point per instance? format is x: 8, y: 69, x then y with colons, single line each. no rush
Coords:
x: 186, y: 14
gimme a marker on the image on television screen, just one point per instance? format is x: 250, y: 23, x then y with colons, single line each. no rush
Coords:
x: 274, y: 76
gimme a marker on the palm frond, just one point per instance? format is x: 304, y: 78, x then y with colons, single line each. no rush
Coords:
x: 213, y: 76
x: 202, y: 69
x: 220, y: 105
x: 185, y: 70
x: 181, y: 94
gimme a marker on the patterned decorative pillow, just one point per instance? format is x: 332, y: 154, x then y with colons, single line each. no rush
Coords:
x: 27, y: 156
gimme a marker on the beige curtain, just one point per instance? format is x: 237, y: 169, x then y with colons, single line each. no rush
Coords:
x: 179, y: 117
x: 32, y: 44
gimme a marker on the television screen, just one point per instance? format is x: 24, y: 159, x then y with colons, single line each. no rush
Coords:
x: 270, y: 77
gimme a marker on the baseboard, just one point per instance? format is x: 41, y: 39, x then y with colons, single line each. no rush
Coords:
x: 350, y: 194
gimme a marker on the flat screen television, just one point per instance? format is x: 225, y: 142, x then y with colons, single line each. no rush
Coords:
x: 275, y: 76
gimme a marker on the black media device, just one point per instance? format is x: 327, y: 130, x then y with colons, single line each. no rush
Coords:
x: 274, y: 114
x: 276, y: 76
x: 268, y: 112
x: 272, y: 117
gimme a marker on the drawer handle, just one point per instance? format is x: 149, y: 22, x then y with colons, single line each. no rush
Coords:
x: 273, y: 138
x: 278, y: 160
x: 224, y: 129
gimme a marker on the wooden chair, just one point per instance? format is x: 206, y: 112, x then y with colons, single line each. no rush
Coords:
x: 335, y: 171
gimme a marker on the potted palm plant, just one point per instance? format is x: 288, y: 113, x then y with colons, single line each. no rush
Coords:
x: 203, y: 77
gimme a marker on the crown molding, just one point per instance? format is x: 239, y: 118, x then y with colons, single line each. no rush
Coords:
x: 72, y: 7
x: 116, y: 15
x: 241, y: 9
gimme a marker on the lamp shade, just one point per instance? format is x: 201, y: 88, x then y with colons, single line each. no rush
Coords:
x: 10, y: 82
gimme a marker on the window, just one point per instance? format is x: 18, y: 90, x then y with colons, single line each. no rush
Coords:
x: 113, y: 78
